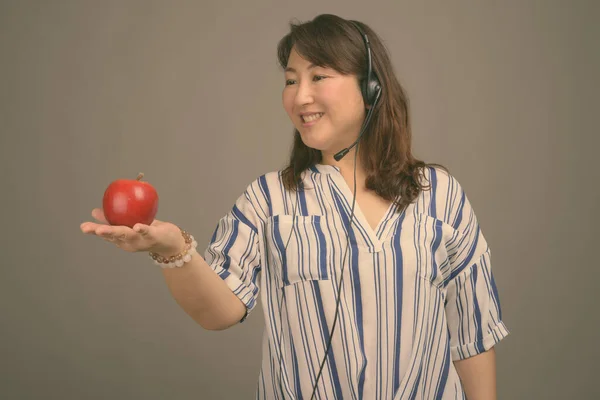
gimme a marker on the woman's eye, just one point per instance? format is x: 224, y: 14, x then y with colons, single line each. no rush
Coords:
x: 315, y: 78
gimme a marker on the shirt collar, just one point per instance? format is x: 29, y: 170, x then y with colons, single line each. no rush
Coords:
x: 325, y: 169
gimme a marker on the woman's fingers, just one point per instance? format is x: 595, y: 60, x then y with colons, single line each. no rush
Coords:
x: 98, y: 215
x: 131, y: 239
x: 89, y: 227
x: 118, y: 233
x: 107, y: 231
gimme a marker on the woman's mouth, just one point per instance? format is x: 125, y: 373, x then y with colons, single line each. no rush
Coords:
x: 311, y: 119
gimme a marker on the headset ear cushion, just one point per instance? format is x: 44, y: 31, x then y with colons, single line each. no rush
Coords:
x: 370, y: 91
x: 364, y: 89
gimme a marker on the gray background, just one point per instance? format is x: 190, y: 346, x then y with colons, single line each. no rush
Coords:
x: 502, y: 93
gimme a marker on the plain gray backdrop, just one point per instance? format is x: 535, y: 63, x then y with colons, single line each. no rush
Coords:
x: 505, y: 94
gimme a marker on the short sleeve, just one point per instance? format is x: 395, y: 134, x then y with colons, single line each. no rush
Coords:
x: 472, y: 303
x: 234, y: 249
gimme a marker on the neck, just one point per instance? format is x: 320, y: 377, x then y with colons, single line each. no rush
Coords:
x: 346, y: 166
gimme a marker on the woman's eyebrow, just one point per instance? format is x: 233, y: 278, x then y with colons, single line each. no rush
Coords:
x: 290, y: 69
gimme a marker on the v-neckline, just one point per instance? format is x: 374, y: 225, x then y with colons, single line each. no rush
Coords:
x: 376, y: 236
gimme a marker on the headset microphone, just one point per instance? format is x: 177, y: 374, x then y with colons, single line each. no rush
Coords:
x: 371, y: 90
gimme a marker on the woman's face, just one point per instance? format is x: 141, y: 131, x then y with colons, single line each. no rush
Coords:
x: 325, y: 106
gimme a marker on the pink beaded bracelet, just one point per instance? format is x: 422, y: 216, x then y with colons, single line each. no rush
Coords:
x: 179, y: 259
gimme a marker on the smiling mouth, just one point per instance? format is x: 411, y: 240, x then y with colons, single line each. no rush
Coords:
x: 311, y: 117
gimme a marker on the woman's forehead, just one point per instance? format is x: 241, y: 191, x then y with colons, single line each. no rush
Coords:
x: 295, y: 60
x: 298, y: 63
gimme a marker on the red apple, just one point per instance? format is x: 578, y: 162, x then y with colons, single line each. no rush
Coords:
x: 130, y: 201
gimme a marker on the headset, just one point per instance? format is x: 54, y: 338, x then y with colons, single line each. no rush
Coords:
x: 371, y: 91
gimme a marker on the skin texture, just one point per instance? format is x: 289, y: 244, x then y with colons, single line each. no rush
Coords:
x: 316, y: 89
x: 478, y: 375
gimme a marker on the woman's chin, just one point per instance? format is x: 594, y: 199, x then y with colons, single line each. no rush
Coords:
x: 315, y: 142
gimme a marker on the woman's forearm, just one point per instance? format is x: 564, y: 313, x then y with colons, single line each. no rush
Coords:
x: 203, y: 295
x: 478, y: 375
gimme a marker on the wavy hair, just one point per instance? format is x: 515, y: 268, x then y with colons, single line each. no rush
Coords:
x: 385, y: 148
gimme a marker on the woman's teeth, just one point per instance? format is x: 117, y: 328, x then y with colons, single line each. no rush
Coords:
x: 312, y: 117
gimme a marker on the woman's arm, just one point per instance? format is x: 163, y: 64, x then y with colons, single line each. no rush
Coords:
x: 203, y: 295
x: 478, y: 375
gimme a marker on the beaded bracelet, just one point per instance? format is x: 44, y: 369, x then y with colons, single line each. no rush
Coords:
x: 179, y: 259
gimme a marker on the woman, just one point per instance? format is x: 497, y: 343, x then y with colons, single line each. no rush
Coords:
x: 402, y: 304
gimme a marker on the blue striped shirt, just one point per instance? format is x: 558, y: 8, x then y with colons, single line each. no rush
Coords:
x: 418, y: 291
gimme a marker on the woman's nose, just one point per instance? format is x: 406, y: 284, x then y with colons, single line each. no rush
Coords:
x: 304, y: 95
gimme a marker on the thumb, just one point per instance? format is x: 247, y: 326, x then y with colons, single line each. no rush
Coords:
x: 141, y: 229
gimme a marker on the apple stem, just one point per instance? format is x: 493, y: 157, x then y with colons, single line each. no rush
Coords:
x: 140, y: 176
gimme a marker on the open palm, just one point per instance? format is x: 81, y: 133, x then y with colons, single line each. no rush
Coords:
x: 160, y: 237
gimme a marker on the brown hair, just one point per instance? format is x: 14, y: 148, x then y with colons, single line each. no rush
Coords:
x: 385, y: 148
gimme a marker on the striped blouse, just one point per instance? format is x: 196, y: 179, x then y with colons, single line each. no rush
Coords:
x: 417, y: 293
